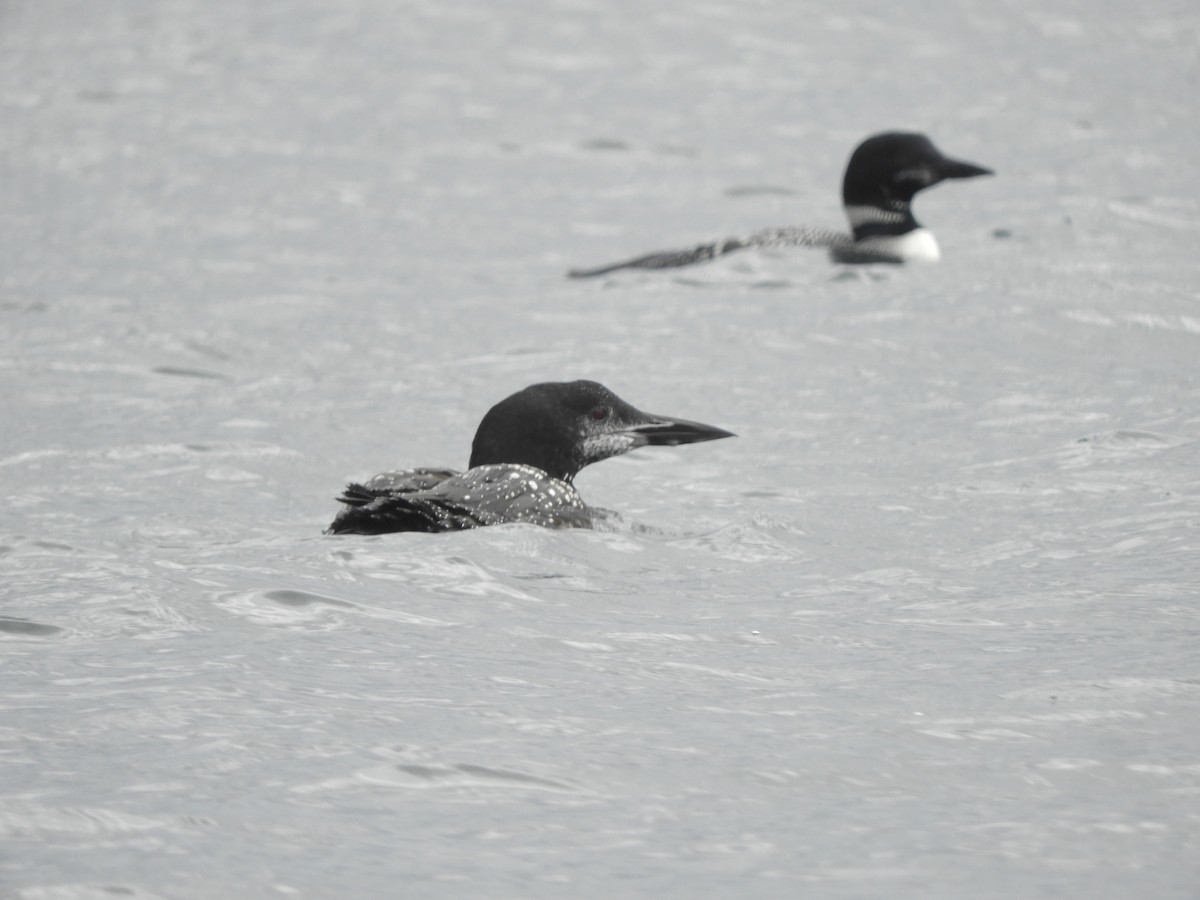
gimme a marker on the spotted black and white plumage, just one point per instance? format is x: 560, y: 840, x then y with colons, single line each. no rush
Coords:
x: 526, y: 452
x: 883, y: 175
x: 484, y: 495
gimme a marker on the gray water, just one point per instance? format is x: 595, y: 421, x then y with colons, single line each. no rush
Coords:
x: 926, y: 628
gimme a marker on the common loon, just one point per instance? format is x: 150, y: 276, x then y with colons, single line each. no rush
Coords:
x: 883, y: 174
x: 527, y: 450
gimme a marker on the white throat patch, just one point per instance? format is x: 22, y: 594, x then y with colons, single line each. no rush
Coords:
x: 918, y: 245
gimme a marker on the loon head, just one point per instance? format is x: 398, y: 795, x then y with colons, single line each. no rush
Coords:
x: 560, y: 427
x: 884, y: 174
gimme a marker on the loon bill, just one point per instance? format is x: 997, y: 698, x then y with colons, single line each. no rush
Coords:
x: 883, y: 175
x: 526, y: 453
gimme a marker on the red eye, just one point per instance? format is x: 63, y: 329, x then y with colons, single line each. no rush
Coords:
x: 600, y: 413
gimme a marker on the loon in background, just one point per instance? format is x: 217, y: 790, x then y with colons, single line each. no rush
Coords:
x: 883, y: 174
x: 527, y: 450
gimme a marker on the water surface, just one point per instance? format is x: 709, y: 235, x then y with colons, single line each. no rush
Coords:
x: 927, y: 627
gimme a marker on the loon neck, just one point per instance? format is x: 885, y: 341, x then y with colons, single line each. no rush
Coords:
x: 868, y: 220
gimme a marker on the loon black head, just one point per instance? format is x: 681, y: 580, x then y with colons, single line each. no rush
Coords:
x: 560, y: 427
x: 885, y: 172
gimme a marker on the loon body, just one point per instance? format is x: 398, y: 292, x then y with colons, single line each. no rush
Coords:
x: 526, y: 453
x: 883, y: 175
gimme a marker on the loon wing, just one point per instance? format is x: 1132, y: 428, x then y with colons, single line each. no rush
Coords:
x: 800, y: 236
x: 406, y: 481
x: 385, y: 484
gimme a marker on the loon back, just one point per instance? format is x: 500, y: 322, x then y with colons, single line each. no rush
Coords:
x: 485, y: 495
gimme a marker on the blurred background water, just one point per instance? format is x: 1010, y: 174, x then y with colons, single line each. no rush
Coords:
x: 927, y: 627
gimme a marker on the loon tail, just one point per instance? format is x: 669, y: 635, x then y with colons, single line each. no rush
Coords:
x: 356, y: 494
x: 398, y: 512
x: 371, y: 511
x: 395, y: 501
x: 801, y: 236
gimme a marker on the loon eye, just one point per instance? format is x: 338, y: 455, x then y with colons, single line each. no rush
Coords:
x: 600, y: 413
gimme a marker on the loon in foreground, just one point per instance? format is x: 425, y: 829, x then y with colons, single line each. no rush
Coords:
x: 527, y: 450
x: 883, y: 174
